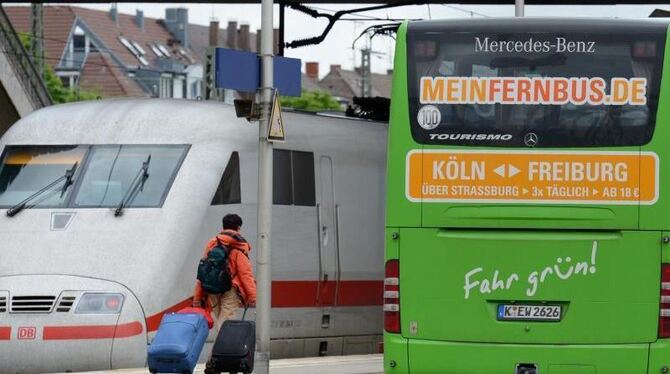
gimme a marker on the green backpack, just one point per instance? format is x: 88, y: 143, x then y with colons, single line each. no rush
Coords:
x: 213, y: 272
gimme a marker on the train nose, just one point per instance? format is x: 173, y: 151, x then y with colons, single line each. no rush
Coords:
x: 75, y: 323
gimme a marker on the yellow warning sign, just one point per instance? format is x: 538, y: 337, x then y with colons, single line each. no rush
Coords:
x: 532, y: 177
x: 276, y: 129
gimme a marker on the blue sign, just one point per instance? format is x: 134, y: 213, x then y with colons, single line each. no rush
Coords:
x: 286, y: 75
x: 237, y: 70
x: 240, y: 70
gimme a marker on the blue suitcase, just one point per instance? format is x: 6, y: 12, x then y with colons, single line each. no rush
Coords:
x: 178, y: 342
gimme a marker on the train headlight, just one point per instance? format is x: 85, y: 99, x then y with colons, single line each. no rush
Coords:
x: 100, y: 303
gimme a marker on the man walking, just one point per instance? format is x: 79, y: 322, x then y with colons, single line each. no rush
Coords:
x: 243, y: 291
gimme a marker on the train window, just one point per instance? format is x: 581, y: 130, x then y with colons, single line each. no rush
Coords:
x: 229, y: 191
x: 293, y: 178
x: 281, y: 178
x: 303, y: 178
x: 114, y: 173
x: 27, y: 170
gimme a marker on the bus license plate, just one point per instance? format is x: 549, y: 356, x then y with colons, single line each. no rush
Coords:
x: 518, y: 312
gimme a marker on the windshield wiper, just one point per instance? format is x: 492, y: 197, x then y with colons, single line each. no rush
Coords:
x: 135, y: 187
x: 69, y: 174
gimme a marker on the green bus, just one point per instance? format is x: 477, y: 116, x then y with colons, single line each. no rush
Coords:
x: 526, y: 228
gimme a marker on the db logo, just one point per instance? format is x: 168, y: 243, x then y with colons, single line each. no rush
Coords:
x: 27, y: 333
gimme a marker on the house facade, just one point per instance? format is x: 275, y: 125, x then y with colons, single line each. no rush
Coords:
x: 343, y: 84
x: 115, y: 54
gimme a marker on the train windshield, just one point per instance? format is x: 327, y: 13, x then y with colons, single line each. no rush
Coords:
x: 105, y: 175
x: 558, y: 89
x: 25, y: 170
x: 111, y: 171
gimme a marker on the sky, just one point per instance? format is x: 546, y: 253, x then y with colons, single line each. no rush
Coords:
x: 337, y: 48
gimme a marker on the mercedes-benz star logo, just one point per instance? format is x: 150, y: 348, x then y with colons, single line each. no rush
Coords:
x: 530, y: 139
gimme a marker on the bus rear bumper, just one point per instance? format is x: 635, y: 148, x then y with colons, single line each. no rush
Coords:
x: 422, y: 356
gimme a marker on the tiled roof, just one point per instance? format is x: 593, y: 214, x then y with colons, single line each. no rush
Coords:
x: 101, y: 72
x: 58, y: 21
x: 98, y: 70
x: 381, y: 83
x: 106, y: 29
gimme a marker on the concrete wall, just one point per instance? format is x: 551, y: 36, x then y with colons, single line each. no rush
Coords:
x: 14, y: 101
x: 8, y: 114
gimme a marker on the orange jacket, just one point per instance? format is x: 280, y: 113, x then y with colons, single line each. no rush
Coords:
x: 238, y: 264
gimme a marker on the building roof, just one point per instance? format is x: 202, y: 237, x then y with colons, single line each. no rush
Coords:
x: 58, y: 21
x: 347, y: 83
x: 106, y: 72
x: 102, y: 24
x: 97, y: 71
x: 381, y: 83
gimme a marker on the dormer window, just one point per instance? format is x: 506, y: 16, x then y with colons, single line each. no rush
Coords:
x: 156, y: 51
x: 163, y: 49
x: 138, y: 48
x: 127, y: 44
x: 135, y: 49
x: 79, y: 40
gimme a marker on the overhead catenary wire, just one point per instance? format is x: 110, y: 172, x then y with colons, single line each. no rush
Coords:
x: 333, y: 18
x: 471, y: 12
x: 91, y: 63
x: 366, y: 18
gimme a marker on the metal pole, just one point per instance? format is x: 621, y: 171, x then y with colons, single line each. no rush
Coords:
x: 263, y: 271
x: 518, y: 8
x: 37, y: 40
x: 282, y: 27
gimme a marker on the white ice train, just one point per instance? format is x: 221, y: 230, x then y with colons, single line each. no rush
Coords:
x: 119, y: 198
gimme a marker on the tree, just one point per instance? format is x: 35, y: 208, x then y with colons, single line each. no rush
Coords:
x: 312, y: 101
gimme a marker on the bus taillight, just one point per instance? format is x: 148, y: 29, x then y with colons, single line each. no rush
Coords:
x: 664, y: 316
x: 392, y: 297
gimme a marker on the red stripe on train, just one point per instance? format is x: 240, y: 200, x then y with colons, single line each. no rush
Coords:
x: 304, y: 294
x: 285, y: 294
x: 155, y: 320
x: 92, y: 332
x: 5, y: 332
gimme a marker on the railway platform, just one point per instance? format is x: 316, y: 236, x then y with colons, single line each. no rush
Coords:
x: 354, y: 364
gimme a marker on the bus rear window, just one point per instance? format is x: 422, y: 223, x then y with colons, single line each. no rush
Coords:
x: 534, y: 89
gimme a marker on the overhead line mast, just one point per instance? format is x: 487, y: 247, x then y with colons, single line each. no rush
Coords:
x: 263, y: 269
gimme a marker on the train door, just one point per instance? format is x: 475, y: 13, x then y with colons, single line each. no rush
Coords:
x: 328, y: 236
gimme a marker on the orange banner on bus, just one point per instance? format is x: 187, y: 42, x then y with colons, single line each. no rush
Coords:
x: 532, y: 177
x: 536, y: 90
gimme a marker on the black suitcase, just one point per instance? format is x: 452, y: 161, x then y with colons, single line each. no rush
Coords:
x: 234, y: 348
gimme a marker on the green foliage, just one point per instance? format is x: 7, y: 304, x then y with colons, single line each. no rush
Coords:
x: 59, y: 93
x: 62, y: 94
x: 312, y: 101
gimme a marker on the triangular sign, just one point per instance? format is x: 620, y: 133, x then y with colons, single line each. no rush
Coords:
x: 276, y: 131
